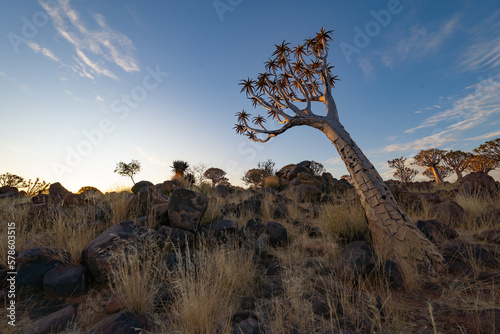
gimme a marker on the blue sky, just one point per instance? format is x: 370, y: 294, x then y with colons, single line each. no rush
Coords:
x: 86, y: 84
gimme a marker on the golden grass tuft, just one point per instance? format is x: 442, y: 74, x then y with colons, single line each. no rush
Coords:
x: 207, y: 287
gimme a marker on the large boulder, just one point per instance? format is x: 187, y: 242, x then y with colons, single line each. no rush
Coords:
x: 436, y: 231
x: 186, y: 209
x: 34, y: 263
x: 139, y: 185
x: 448, y: 212
x: 57, y: 191
x: 7, y: 191
x: 168, y: 187
x: 307, y: 193
x: 147, y: 198
x: 491, y: 235
x: 477, y: 182
x: 278, y: 235
x: 98, y: 254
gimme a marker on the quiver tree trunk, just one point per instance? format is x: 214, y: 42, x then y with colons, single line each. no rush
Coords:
x: 437, y: 174
x: 395, y: 237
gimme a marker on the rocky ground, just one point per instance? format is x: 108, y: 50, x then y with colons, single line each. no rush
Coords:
x: 294, y: 258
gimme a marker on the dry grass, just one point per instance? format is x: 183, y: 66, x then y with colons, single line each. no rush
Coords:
x: 207, y: 287
x: 346, y: 221
x: 137, y: 277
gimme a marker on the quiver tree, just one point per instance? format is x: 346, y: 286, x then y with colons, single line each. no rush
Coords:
x: 482, y: 163
x: 295, y: 80
x: 11, y: 180
x: 254, y: 176
x: 317, y: 168
x: 129, y: 169
x: 457, y: 161
x: 215, y: 175
x: 431, y: 158
x: 444, y: 172
x: 403, y: 173
x: 490, y: 149
x: 179, y: 168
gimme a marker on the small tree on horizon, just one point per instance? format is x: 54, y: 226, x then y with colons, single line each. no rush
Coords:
x: 129, y: 169
x: 215, y: 175
x: 490, y: 149
x: 12, y: 180
x: 317, y: 168
x: 482, y: 163
x: 298, y: 78
x: 179, y: 168
x: 444, y: 172
x: 254, y: 176
x: 431, y: 158
x: 458, y: 161
x: 403, y: 173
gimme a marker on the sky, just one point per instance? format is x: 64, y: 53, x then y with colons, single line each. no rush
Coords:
x: 86, y: 84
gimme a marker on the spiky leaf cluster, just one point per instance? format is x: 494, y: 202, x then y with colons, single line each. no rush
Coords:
x: 292, y: 75
x: 490, y: 149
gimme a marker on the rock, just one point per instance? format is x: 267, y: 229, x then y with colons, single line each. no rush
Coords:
x: 268, y: 289
x: 222, y: 190
x: 139, y: 185
x: 239, y: 316
x: 178, y: 237
x: 161, y: 213
x: 97, y: 254
x: 66, y: 282
x: 492, y: 235
x: 123, y: 323
x: 186, y: 209
x: 449, y: 212
x: 393, y: 275
x: 326, y: 307
x: 34, y: 263
x: 465, y: 252
x: 221, y: 228
x: 307, y: 193
x: 436, y: 231
x: 477, y: 183
x: 355, y: 260
x: 54, y: 322
x: 416, y: 200
x: 483, y: 322
x: 114, y: 305
x: 40, y: 198
x: 7, y: 191
x: 251, y: 206
x: 73, y: 200
x: 248, y: 303
x: 57, y: 191
x: 248, y: 326
x: 253, y: 228
x: 278, y: 235
x: 147, y: 198
x: 169, y: 186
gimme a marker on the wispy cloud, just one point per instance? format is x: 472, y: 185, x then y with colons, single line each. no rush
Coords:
x: 93, y: 48
x: 470, y: 110
x: 484, y: 51
x: 477, y: 107
x: 24, y: 87
x: 44, y: 51
x: 367, y: 68
x: 152, y: 158
x: 418, y: 42
x: 485, y: 136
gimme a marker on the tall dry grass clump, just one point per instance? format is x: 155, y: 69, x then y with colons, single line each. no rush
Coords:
x: 137, y: 277
x: 206, y: 289
x: 346, y: 220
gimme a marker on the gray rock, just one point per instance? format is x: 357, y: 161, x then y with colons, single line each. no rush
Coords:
x: 139, y: 185
x: 66, y: 282
x: 54, y: 322
x: 186, y: 209
x: 34, y: 263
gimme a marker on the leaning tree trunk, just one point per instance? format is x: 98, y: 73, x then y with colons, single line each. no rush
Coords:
x: 458, y: 172
x: 395, y: 236
x: 437, y: 175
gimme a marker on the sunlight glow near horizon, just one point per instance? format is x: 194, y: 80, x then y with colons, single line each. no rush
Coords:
x: 158, y: 82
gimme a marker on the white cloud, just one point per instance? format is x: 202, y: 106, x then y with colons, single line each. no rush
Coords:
x: 93, y: 48
x: 44, y: 51
x: 485, y: 136
x: 334, y: 161
x: 367, y: 67
x: 468, y: 112
x: 152, y: 158
x: 24, y: 87
x: 418, y: 42
x: 484, y: 53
